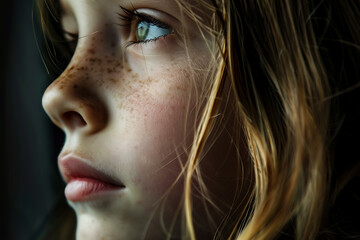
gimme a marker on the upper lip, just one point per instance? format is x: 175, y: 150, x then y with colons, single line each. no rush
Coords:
x: 72, y: 167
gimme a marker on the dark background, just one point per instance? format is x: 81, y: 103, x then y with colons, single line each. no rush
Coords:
x: 30, y: 180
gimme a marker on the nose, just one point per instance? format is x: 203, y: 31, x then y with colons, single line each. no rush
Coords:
x: 73, y: 101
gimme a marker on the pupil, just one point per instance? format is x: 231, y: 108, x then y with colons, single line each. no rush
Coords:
x: 142, y: 31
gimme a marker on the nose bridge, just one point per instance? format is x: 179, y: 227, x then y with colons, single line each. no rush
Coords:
x: 74, y: 100
x: 96, y: 54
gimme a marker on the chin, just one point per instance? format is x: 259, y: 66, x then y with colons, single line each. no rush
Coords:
x: 100, y: 227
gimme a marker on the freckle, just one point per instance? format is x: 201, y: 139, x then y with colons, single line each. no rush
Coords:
x: 181, y: 88
x: 93, y: 60
x: 135, y: 75
x: 91, y: 51
x: 75, y: 86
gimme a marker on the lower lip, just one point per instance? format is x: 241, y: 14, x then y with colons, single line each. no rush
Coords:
x: 81, y: 189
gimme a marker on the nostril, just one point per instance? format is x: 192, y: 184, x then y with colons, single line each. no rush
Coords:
x: 73, y: 120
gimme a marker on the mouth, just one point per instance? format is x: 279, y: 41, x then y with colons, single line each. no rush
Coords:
x: 85, y: 182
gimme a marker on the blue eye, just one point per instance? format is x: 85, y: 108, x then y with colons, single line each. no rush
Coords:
x: 147, y: 31
x: 143, y: 27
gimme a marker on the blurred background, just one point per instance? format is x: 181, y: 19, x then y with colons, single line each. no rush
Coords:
x: 29, y: 151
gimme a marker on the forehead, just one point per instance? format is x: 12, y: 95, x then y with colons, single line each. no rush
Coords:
x: 169, y: 6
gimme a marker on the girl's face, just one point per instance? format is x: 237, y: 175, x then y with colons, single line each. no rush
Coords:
x: 126, y: 102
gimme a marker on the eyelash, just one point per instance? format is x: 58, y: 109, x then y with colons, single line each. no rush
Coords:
x: 129, y: 18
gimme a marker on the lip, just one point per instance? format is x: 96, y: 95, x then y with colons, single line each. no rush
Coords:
x: 85, y: 182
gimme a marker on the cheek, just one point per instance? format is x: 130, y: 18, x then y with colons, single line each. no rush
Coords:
x: 161, y: 120
x: 162, y: 116
x: 154, y: 115
x: 159, y: 105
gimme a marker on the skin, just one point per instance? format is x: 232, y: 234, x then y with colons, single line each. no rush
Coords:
x: 130, y: 112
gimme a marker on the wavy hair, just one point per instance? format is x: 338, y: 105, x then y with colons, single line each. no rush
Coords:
x: 278, y: 58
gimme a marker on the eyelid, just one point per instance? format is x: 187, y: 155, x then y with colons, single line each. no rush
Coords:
x: 152, y: 13
x: 157, y: 17
x: 145, y: 17
x: 161, y: 17
x: 69, y: 26
x: 70, y: 36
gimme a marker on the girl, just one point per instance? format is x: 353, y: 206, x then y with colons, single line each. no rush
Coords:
x: 201, y: 119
